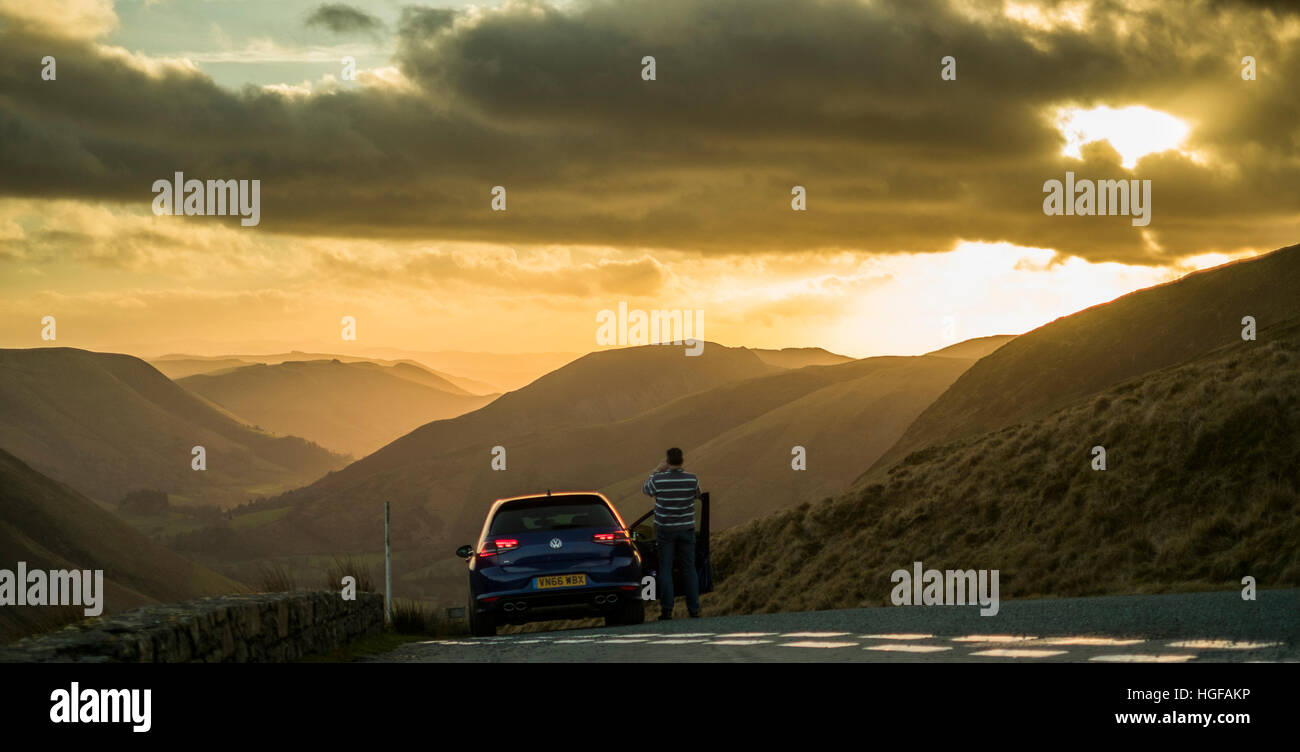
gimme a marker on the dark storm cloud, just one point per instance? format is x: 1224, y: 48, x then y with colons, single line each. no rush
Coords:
x: 422, y: 22
x: 752, y: 97
x: 342, y: 19
x: 1281, y: 7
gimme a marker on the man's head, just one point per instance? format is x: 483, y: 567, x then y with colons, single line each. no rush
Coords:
x: 674, y: 457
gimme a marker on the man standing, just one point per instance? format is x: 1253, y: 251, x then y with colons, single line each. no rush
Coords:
x: 674, y: 491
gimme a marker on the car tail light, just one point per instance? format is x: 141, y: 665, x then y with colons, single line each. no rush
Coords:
x: 494, y: 547
x: 611, y: 538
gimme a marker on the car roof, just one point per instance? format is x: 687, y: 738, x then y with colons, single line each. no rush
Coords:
x: 550, y: 493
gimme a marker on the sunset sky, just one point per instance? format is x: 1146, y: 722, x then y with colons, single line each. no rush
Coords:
x: 924, y: 219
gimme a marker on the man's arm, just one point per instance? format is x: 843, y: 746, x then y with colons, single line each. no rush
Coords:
x: 648, y: 488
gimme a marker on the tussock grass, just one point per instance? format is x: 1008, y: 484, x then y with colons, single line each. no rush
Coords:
x: 350, y: 566
x: 1200, y: 490
x: 412, y: 617
x: 275, y: 577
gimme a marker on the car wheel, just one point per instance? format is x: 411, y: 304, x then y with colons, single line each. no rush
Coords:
x: 631, y: 612
x: 480, y: 625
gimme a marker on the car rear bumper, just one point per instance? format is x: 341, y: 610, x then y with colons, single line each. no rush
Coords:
x: 532, y: 605
x: 621, y: 571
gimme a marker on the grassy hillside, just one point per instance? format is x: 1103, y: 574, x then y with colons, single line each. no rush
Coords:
x: 1101, y: 346
x: 353, y: 408
x: 1200, y: 491
x: 843, y: 416
x: 50, y: 526
x: 108, y: 424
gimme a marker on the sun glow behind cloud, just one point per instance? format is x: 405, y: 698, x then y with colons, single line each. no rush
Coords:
x: 1073, y: 15
x: 977, y: 289
x: 1134, y: 131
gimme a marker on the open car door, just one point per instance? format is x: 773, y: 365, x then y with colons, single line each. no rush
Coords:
x: 643, y: 531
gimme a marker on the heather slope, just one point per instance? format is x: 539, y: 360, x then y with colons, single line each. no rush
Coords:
x: 1199, y: 491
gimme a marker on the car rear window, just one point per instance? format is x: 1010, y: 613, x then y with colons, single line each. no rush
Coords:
x: 551, y: 513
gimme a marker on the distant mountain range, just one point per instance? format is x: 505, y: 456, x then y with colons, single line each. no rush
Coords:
x: 502, y: 372
x: 354, y: 408
x: 179, y: 366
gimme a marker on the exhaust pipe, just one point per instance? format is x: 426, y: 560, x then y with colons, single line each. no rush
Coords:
x: 509, y: 607
x: 602, y: 599
x: 521, y: 606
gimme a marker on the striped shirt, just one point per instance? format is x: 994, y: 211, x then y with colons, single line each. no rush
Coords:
x: 674, y: 491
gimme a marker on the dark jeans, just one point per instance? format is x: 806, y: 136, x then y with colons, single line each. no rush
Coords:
x: 677, y: 545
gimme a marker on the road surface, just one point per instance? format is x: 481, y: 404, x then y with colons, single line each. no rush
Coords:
x: 1176, y: 628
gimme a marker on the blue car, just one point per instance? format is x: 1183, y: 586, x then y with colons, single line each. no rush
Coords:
x: 553, y: 556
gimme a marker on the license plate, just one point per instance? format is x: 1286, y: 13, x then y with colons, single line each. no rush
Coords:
x: 561, y: 580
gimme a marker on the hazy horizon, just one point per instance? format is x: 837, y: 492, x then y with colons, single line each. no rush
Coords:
x: 942, y: 337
